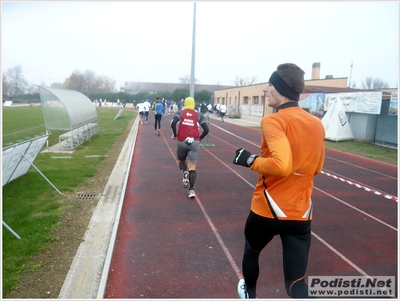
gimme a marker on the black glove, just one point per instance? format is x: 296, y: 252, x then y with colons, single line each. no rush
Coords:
x: 244, y: 158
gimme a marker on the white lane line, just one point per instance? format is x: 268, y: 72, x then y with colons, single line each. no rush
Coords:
x: 371, y: 190
x: 319, y: 238
x: 241, y: 138
x: 360, y: 185
x: 340, y: 255
x: 355, y: 208
x: 360, y: 167
x: 344, y: 258
x: 210, y: 223
x: 220, y: 240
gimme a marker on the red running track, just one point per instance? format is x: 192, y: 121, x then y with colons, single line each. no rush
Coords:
x: 169, y: 246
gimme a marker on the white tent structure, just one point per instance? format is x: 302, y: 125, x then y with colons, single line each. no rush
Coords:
x: 337, y: 127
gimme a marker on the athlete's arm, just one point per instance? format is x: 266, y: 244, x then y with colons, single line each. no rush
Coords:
x: 205, y: 130
x: 174, y: 121
x: 279, y: 163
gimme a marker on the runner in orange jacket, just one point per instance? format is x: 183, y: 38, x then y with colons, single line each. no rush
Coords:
x: 292, y: 153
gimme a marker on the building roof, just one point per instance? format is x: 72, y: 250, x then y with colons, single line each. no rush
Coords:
x: 386, y: 93
x: 323, y: 89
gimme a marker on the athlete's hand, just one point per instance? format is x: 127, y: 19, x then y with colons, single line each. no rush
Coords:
x: 244, y: 158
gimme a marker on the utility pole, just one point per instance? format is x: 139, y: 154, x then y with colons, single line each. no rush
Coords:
x: 192, y: 78
x: 351, y: 70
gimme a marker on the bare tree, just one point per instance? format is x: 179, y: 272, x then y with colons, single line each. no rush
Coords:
x: 5, y: 85
x: 90, y: 79
x: 56, y: 85
x: 104, y: 84
x: 76, y: 81
x: 244, y: 81
x: 377, y: 83
x: 16, y: 80
x: 89, y: 82
x: 186, y: 80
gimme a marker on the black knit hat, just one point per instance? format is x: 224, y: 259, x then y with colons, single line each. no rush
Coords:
x: 288, y: 80
x: 283, y: 89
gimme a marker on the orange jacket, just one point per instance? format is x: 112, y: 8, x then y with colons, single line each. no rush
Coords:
x: 292, y: 152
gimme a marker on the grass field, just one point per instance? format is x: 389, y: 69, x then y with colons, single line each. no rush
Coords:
x: 31, y: 207
x: 374, y: 152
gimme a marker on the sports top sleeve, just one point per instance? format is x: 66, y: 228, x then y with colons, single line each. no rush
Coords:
x: 279, y: 160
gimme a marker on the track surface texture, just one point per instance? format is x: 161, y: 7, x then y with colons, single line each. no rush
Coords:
x: 170, y: 246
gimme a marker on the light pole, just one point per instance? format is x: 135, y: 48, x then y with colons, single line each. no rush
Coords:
x: 193, y: 52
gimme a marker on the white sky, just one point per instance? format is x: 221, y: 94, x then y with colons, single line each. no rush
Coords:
x: 151, y: 41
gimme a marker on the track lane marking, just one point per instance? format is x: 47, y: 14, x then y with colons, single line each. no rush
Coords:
x: 359, y: 185
x: 210, y: 223
x: 360, y: 167
x: 368, y: 189
x: 337, y: 199
x: 355, y: 208
x: 225, y: 249
x: 361, y: 271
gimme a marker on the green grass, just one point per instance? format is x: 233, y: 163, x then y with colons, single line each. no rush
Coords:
x: 31, y: 207
x: 367, y: 150
x: 22, y: 123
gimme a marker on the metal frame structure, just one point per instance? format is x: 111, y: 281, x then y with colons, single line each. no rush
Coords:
x: 71, y: 111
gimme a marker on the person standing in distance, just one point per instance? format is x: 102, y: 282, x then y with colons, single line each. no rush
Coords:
x: 292, y: 153
x: 189, y: 138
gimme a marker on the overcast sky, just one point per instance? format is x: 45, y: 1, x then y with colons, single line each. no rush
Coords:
x: 151, y: 41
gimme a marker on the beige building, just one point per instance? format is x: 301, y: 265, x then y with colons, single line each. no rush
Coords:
x: 249, y: 101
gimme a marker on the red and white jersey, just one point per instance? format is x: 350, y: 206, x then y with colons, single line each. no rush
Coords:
x: 188, y: 125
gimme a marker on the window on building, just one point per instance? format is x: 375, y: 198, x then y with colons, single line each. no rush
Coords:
x: 255, y: 100
x: 245, y: 100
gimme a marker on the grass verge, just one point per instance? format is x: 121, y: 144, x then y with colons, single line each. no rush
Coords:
x: 366, y: 150
x: 31, y: 207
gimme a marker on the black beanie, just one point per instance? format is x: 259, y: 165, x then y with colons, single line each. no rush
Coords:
x: 281, y: 86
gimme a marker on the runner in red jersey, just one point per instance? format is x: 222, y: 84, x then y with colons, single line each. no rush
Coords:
x: 189, y: 138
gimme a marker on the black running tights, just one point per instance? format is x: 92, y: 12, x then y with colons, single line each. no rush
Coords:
x: 157, y: 121
x: 295, y: 237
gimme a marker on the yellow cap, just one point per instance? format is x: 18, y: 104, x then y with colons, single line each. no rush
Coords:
x: 189, y: 103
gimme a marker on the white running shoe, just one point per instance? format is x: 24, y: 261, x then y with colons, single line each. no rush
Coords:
x: 185, y: 181
x: 241, y: 289
x: 191, y: 194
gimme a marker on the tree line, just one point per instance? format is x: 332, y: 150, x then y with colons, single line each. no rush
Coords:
x: 15, y: 87
x: 95, y: 87
x: 175, y: 96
